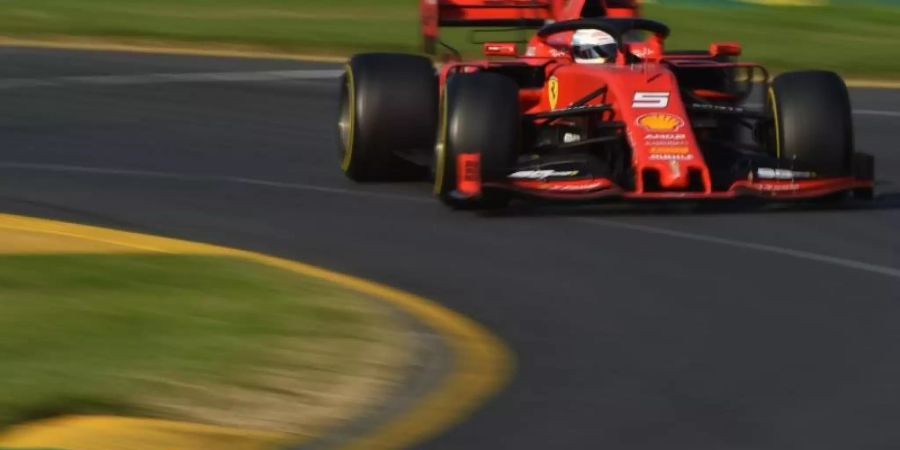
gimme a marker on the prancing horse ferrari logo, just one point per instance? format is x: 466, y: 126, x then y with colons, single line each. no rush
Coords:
x: 553, y: 91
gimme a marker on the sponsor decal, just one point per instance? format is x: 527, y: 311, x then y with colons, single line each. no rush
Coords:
x: 541, y: 174
x: 666, y: 136
x: 675, y: 166
x: 670, y: 157
x: 782, y: 174
x: 670, y: 150
x: 666, y: 143
x: 650, y: 100
x: 660, y: 122
x: 553, y: 91
x: 558, y: 53
x: 569, y: 138
x: 589, y: 186
x: 666, y: 140
x: 566, y: 186
x: 641, y: 52
x: 772, y: 187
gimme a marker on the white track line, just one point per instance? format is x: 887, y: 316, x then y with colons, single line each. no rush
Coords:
x: 208, y: 178
x: 872, y: 112
x: 128, y: 80
x: 799, y: 254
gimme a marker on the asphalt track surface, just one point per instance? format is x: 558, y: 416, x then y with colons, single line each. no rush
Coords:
x: 635, y: 326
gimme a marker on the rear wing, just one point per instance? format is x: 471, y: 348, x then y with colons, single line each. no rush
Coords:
x: 512, y: 13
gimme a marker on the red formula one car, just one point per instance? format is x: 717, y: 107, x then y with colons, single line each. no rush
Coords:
x: 593, y: 107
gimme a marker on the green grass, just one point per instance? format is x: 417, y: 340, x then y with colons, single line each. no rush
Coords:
x: 317, y: 26
x: 856, y: 39
x: 105, y: 333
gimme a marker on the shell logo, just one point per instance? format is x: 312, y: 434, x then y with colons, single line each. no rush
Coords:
x: 660, y: 122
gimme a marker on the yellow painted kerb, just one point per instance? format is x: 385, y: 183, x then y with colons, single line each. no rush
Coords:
x: 482, y: 365
x: 125, y: 433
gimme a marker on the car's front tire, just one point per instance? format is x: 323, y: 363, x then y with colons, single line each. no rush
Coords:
x: 812, y: 123
x: 388, y: 108
x: 480, y: 114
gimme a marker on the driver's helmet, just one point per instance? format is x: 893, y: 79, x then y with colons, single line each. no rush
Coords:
x: 593, y: 47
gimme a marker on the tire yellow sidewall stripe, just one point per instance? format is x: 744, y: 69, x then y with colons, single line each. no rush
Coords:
x: 482, y: 364
x: 440, y: 156
x: 774, y: 103
x: 351, y: 113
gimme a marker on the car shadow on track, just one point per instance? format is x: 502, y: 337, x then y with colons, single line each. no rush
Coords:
x: 882, y: 202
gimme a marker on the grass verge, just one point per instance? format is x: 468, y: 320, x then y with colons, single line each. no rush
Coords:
x: 857, y: 39
x: 210, y: 339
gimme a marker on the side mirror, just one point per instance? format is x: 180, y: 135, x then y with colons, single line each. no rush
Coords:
x: 500, y: 49
x: 726, y: 49
x: 651, y: 50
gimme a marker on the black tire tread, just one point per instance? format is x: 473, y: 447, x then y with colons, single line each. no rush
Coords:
x: 814, y: 124
x: 482, y: 115
x: 395, y: 110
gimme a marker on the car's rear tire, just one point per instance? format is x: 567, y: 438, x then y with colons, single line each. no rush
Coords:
x: 389, y: 106
x: 813, y: 123
x: 479, y: 114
